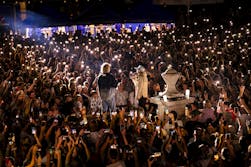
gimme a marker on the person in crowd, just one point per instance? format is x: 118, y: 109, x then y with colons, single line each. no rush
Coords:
x: 129, y: 87
x: 95, y: 102
x: 207, y: 113
x: 121, y: 95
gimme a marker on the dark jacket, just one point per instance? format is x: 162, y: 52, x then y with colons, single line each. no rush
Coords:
x: 106, y: 81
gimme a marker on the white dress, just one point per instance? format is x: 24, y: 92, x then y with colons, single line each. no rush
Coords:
x: 142, y: 90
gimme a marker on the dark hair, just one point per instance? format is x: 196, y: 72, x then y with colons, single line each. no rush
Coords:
x: 227, y: 103
x: 175, y: 115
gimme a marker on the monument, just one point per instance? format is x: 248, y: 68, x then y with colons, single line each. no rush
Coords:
x: 171, y: 98
x: 171, y: 77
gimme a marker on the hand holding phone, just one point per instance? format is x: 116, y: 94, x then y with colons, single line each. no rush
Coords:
x: 122, y: 127
x: 33, y: 130
x: 73, y: 131
x: 158, y: 129
x: 156, y: 154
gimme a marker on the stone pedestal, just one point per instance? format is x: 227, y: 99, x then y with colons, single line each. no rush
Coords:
x: 177, y: 105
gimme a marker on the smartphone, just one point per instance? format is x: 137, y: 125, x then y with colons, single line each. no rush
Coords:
x: 158, y: 128
x: 98, y: 114
x: 43, y: 123
x: 236, y: 109
x: 81, y: 123
x: 107, y: 131
x: 141, y: 115
x: 73, y: 131
x: 173, y: 133
x: 167, y: 111
x: 143, y: 126
x: 150, y: 116
x: 122, y: 127
x: 113, y: 146
x: 131, y: 113
x: 247, y: 122
x: 156, y: 155
x: 40, y: 114
x: 216, y: 157
x: 87, y: 132
x: 136, y: 113
x: 139, y: 141
x: 129, y: 151
x: 51, y: 151
x: 227, y: 135
x: 64, y: 137
x: 33, y: 130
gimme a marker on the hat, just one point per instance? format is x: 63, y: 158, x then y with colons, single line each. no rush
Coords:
x: 92, y: 92
x: 140, y: 68
x: 195, y: 112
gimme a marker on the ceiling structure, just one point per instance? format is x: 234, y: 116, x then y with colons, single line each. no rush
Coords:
x: 68, y: 12
x: 99, y: 11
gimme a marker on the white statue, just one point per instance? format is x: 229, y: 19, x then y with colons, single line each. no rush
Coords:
x: 171, y: 77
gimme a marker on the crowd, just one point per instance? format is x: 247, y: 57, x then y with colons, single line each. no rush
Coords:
x: 72, y: 100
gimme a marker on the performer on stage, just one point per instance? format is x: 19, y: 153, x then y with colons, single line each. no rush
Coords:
x: 106, y: 87
x: 140, y: 81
